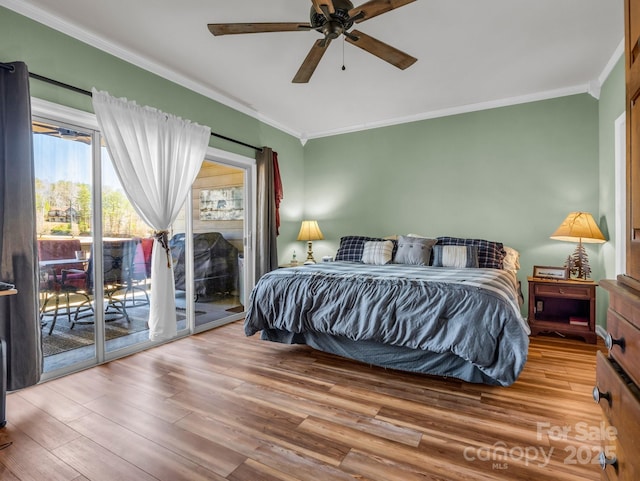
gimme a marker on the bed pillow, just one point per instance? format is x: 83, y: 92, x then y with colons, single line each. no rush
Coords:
x: 511, y: 260
x: 377, y: 252
x: 455, y: 256
x: 351, y: 247
x: 490, y: 254
x: 414, y: 250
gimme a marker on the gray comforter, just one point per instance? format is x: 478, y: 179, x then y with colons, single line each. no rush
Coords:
x: 471, y: 315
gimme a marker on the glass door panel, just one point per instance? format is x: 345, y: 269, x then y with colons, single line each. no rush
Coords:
x: 127, y: 244
x: 216, y: 214
x: 63, y: 189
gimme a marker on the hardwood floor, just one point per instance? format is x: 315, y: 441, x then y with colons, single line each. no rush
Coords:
x: 220, y: 406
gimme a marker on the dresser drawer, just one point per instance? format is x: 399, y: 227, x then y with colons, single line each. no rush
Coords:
x: 574, y: 292
x: 608, y: 385
x: 620, y: 402
x: 625, y: 303
x: 623, y: 342
x: 614, y: 451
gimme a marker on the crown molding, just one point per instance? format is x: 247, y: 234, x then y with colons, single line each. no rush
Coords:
x: 39, y: 15
x: 118, y: 51
x: 592, y: 88
x: 615, y: 56
x: 462, y: 109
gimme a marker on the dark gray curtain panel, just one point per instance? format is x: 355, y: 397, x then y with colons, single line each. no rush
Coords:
x: 19, y: 322
x: 267, y: 231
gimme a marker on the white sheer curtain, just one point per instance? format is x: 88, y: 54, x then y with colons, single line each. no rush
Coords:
x: 157, y: 157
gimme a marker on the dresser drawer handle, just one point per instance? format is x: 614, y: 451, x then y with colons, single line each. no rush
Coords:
x: 609, y: 341
x: 605, y: 461
x: 598, y: 395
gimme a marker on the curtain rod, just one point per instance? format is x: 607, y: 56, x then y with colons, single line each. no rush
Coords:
x: 11, y: 68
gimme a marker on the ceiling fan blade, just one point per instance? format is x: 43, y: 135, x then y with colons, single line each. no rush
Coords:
x: 311, y: 61
x: 382, y: 50
x: 324, y: 7
x: 234, y: 28
x: 373, y: 8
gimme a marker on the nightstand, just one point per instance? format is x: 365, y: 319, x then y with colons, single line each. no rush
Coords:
x: 565, y: 307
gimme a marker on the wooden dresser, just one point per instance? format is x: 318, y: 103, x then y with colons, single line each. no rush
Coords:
x: 617, y: 381
x: 618, y: 373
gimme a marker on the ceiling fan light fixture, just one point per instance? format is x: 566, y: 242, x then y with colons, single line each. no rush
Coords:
x: 332, y: 30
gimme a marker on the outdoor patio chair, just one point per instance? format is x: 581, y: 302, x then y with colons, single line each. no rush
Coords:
x: 117, y: 262
x: 61, y: 276
x: 139, y: 274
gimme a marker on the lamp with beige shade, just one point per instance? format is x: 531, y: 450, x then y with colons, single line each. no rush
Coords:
x: 580, y: 227
x: 309, y: 231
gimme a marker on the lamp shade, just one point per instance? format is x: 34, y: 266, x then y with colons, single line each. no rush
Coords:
x: 309, y: 231
x: 580, y: 227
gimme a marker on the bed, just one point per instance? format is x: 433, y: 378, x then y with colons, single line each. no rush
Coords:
x: 429, y: 317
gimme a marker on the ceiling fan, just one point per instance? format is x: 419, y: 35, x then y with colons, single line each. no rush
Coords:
x: 331, y: 18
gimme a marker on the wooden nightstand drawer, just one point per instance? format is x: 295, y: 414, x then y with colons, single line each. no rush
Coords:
x: 623, y: 342
x: 575, y: 292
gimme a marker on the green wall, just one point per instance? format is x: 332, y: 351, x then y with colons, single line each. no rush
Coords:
x: 510, y: 174
x: 610, y: 107
x: 52, y: 54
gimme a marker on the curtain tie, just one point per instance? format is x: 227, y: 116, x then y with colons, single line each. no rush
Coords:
x: 162, y: 236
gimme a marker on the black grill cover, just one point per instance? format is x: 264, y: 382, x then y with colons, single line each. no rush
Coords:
x: 215, y: 265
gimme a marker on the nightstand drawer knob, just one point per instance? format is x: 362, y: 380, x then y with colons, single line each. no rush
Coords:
x: 605, y: 461
x: 609, y: 341
x: 598, y: 395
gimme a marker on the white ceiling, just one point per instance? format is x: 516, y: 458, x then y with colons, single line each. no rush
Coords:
x: 472, y: 54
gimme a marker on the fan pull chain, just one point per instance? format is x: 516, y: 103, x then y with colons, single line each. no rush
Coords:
x: 343, y: 42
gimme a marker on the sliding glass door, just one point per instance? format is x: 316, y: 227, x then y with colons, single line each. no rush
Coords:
x: 211, y: 265
x: 95, y: 251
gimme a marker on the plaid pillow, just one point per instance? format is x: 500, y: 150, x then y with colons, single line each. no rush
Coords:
x: 352, y: 247
x: 490, y: 254
x: 377, y: 253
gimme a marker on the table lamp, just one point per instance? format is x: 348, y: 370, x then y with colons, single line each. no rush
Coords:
x: 579, y: 226
x: 309, y: 231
